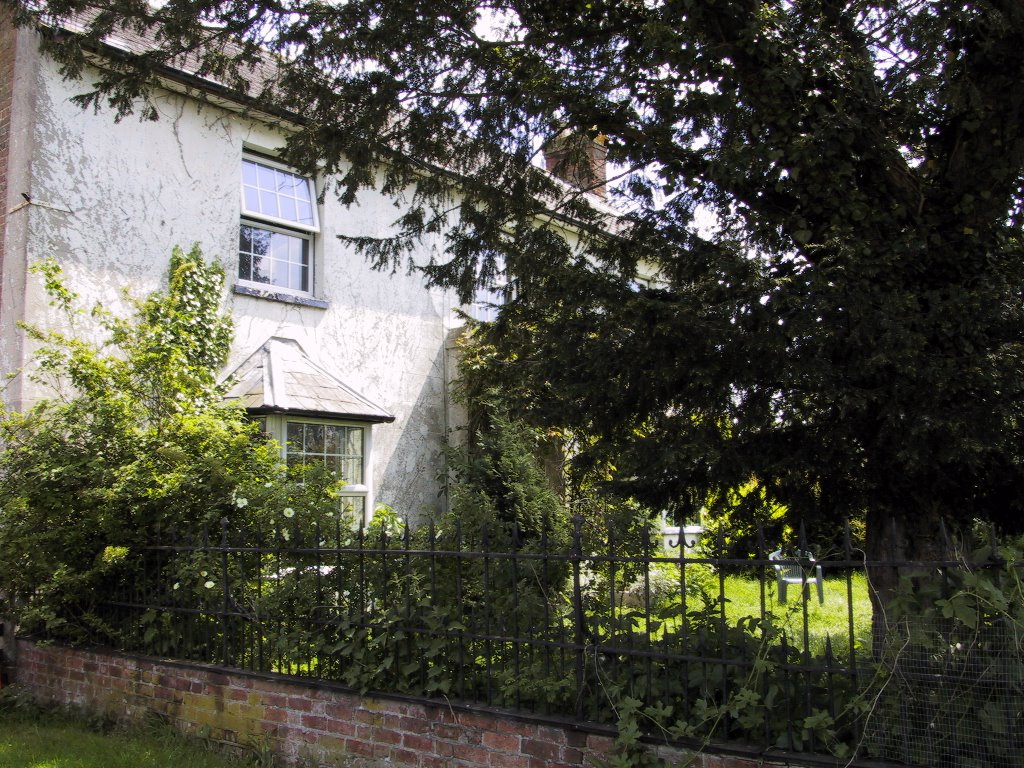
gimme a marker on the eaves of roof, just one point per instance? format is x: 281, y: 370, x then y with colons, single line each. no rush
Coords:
x: 126, y: 44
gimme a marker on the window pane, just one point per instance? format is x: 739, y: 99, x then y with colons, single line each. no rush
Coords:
x: 268, y: 203
x: 294, y: 436
x: 265, y: 176
x: 273, y: 257
x: 280, y: 245
x: 249, y: 173
x: 252, y: 200
x: 271, y: 191
x: 287, y: 183
x: 259, y: 270
x: 313, y: 439
x: 244, y: 265
x: 352, y: 471
x: 279, y: 275
x: 288, y: 209
x: 354, y: 445
x: 260, y: 240
x: 332, y: 440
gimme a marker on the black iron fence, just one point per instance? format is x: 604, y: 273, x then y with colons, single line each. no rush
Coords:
x: 682, y: 642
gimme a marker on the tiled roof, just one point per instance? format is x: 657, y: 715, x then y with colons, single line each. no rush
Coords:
x: 280, y: 377
x: 134, y: 41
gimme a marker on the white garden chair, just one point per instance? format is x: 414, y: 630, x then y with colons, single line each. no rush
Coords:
x: 793, y: 572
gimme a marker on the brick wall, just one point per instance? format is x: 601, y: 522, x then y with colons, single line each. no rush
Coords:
x: 315, y: 722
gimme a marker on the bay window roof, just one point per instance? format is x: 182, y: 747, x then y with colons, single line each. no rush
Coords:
x: 280, y: 377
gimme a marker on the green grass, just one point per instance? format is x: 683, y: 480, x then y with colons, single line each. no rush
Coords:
x: 743, y: 598
x: 47, y: 740
x: 830, y: 618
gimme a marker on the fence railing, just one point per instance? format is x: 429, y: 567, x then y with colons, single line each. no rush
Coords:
x: 692, y: 644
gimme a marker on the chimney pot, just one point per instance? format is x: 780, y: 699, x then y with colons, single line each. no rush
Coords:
x: 578, y: 160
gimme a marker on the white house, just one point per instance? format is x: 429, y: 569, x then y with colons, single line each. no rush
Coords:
x: 344, y: 363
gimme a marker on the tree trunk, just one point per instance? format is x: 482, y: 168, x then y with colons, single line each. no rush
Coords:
x: 897, y: 544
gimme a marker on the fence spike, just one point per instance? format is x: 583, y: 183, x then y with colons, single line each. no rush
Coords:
x: 994, y: 554
x: 577, y: 535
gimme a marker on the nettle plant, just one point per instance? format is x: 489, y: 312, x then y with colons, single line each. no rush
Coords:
x: 134, y: 447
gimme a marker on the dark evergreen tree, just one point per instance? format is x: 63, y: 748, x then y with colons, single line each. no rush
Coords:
x: 849, y: 329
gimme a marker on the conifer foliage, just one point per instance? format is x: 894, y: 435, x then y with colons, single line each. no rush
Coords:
x: 845, y: 325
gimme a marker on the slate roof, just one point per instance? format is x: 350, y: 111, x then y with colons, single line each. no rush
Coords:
x: 280, y: 377
x: 188, y: 67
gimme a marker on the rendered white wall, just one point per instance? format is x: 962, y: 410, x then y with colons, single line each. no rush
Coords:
x: 122, y: 194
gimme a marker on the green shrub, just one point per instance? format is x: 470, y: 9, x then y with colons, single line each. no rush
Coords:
x: 950, y: 689
x: 135, y: 447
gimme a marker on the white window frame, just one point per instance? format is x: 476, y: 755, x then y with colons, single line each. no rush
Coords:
x: 276, y: 425
x: 274, y: 224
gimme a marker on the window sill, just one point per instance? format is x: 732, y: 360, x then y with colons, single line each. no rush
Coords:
x: 285, y: 298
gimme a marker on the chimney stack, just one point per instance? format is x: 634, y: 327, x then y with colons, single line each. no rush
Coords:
x: 578, y: 160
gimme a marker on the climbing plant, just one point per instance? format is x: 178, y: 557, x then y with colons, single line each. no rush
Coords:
x: 133, y: 447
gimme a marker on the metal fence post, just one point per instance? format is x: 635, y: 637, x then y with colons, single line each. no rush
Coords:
x: 225, y: 619
x: 577, y: 612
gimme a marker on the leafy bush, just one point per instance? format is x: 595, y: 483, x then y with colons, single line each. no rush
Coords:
x: 134, y: 447
x: 950, y: 689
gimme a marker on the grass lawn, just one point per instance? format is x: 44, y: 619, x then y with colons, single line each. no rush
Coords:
x: 831, y: 618
x: 805, y: 621
x: 51, y: 742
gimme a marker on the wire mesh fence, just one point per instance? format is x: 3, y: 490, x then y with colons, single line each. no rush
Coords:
x: 951, y: 698
x: 699, y: 644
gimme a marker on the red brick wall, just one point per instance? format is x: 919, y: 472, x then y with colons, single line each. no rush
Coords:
x: 315, y: 722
